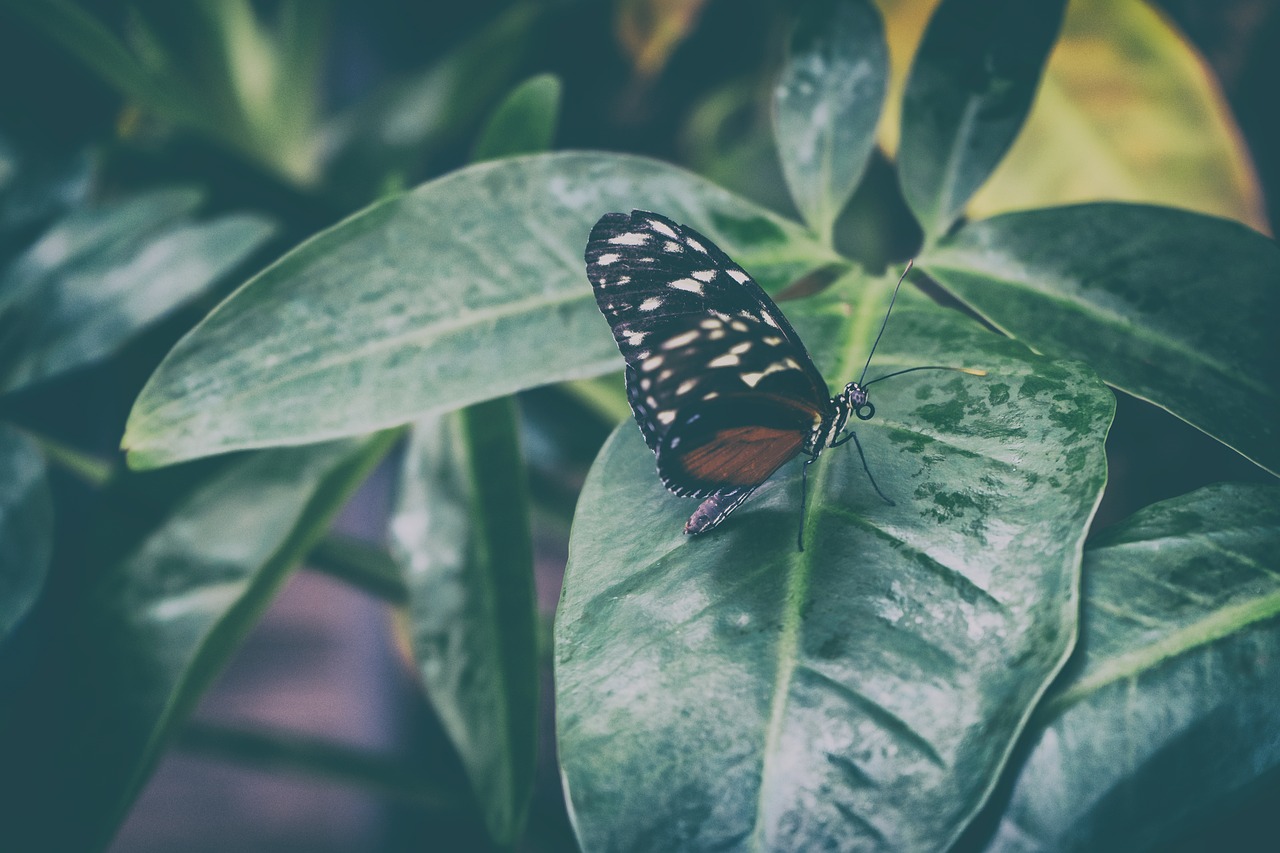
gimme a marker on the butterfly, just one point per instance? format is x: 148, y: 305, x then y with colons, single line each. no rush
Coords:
x: 722, y: 387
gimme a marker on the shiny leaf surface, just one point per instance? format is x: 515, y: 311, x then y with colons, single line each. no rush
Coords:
x: 827, y: 103
x: 469, y: 287
x: 970, y: 89
x: 461, y: 535
x: 1169, y: 708
x: 730, y: 692
x: 1163, y: 303
x: 99, y: 276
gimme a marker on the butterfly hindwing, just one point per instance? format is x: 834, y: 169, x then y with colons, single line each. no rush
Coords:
x: 731, y: 442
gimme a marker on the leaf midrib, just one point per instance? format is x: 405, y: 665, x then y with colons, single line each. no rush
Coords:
x: 798, y: 580
x: 427, y: 334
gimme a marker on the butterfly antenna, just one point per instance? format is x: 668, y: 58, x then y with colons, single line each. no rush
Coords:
x: 972, y: 371
x: 880, y: 334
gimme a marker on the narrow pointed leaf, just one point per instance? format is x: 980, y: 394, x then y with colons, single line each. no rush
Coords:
x: 969, y: 91
x: 730, y: 692
x: 467, y: 288
x: 162, y: 611
x: 827, y: 103
x: 1170, y: 708
x: 26, y: 528
x: 98, y: 277
x: 461, y: 535
x: 1163, y: 303
x: 524, y: 123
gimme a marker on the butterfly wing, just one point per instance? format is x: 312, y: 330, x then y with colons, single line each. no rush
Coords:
x: 652, y: 276
x: 720, y: 384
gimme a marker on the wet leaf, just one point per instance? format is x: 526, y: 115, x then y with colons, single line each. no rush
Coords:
x: 730, y: 692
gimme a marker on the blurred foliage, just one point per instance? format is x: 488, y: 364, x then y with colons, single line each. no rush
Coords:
x: 246, y: 225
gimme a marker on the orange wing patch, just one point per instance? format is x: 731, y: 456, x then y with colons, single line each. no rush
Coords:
x: 742, y: 456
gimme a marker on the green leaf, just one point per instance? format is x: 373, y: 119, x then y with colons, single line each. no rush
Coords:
x: 162, y: 610
x: 1169, y: 709
x: 524, y: 123
x: 827, y: 103
x: 461, y: 534
x: 26, y: 527
x: 99, y: 276
x: 731, y: 692
x: 970, y: 89
x: 1163, y: 303
x: 467, y: 288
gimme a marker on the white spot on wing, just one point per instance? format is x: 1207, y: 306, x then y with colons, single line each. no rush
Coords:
x: 681, y: 340
x: 666, y: 417
x: 688, y: 284
x: 710, y: 395
x: 635, y: 338
x: 695, y: 244
x: 652, y: 363
x: 686, y: 386
x: 739, y: 276
x: 661, y: 227
x: 739, y: 349
x: 672, y: 246
x: 753, y: 379
x: 739, y: 326
x: 633, y: 239
x: 705, y: 275
x: 710, y: 323
x: 723, y: 361
x: 606, y: 259
x: 653, y: 303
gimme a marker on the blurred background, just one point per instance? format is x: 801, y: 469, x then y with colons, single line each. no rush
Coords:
x: 305, y: 112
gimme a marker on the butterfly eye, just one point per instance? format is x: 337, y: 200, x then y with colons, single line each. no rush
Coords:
x: 865, y: 412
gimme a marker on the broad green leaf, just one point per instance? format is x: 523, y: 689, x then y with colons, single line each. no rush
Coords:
x: 524, y: 123
x: 827, y: 103
x: 99, y: 276
x: 461, y: 535
x: 730, y: 692
x: 161, y: 611
x: 1170, y: 707
x: 970, y: 89
x: 26, y: 527
x: 467, y: 288
x: 1163, y: 303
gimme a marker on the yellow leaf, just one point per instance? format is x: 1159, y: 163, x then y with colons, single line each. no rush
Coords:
x: 1127, y: 111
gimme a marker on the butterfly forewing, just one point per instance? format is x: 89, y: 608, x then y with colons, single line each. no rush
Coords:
x: 650, y: 275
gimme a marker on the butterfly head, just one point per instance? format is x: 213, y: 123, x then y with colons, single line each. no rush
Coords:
x: 855, y: 400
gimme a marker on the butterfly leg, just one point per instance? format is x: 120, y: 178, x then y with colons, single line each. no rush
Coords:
x: 716, y: 509
x: 853, y: 435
